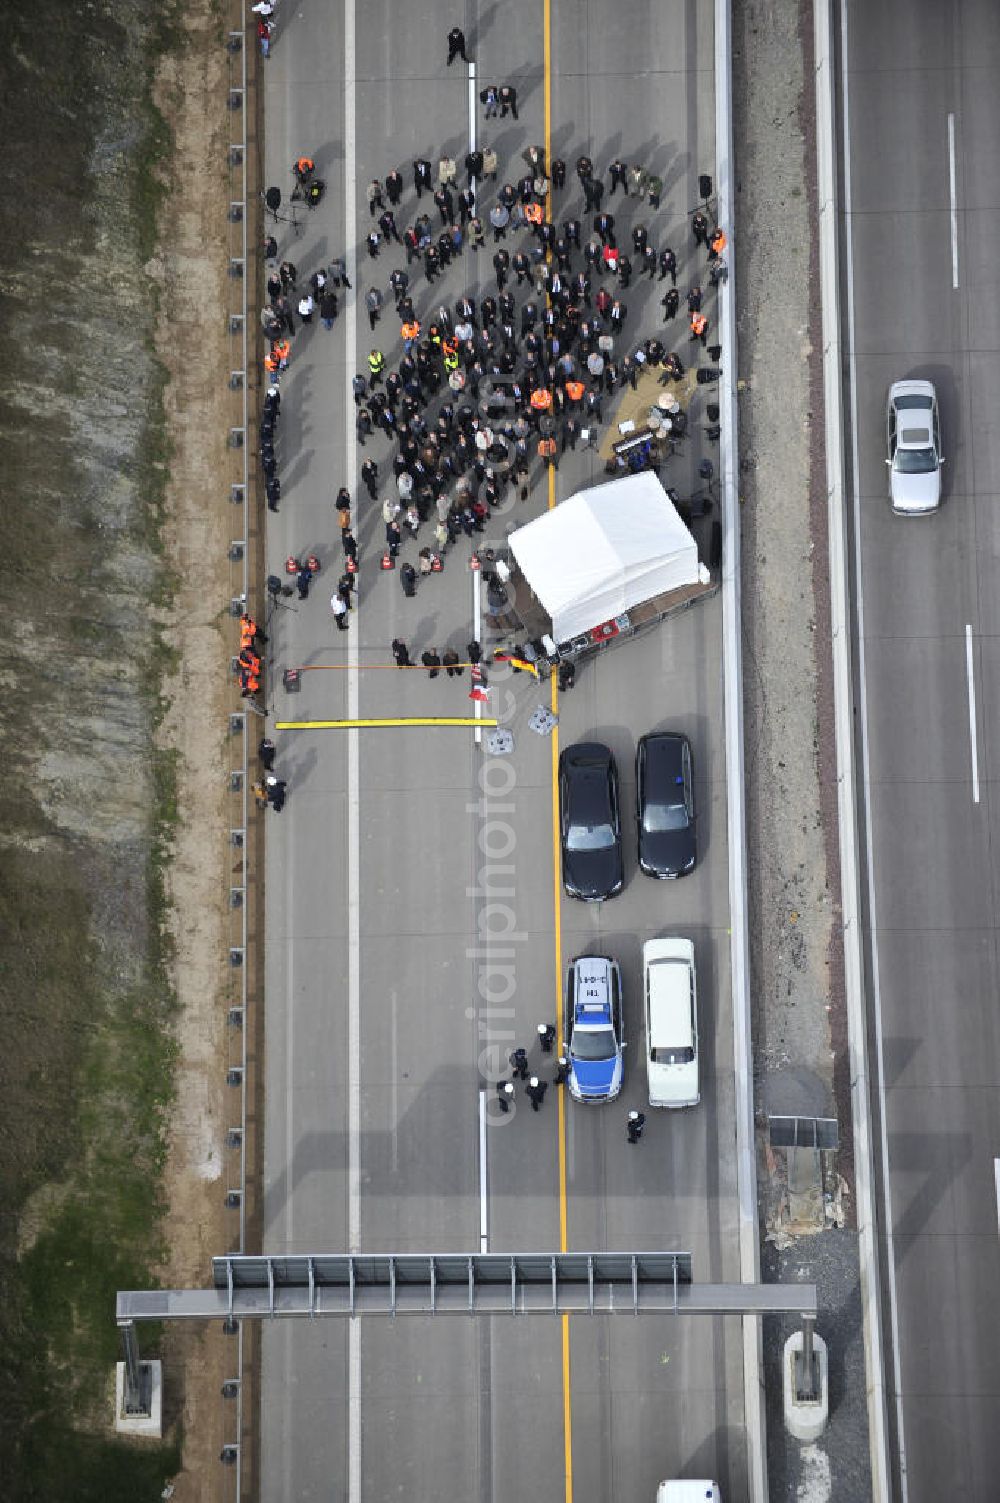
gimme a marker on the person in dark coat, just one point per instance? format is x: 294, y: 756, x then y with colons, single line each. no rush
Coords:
x: 456, y: 46
x: 536, y: 1092
x: 408, y: 580
x: 328, y: 308
x: 518, y: 1061
x: 401, y: 653
x: 266, y: 752
x: 275, y: 792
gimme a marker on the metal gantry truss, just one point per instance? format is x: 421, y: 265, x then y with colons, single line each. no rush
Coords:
x: 355, y: 1284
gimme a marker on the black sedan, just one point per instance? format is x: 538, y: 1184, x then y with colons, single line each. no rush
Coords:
x: 590, y: 822
x: 665, y: 805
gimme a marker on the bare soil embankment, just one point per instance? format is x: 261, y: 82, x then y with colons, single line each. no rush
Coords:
x: 93, y: 959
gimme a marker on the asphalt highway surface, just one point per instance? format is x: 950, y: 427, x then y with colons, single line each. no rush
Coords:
x: 923, y: 95
x: 400, y: 970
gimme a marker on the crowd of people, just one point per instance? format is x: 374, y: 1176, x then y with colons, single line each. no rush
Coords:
x: 483, y: 387
x: 471, y: 392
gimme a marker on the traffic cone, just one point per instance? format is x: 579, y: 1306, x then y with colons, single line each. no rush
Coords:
x: 313, y: 563
x: 388, y: 562
x: 292, y: 565
x: 474, y: 563
x: 351, y: 566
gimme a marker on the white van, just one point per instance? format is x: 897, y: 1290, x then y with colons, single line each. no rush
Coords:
x: 671, y: 1022
x: 688, y: 1492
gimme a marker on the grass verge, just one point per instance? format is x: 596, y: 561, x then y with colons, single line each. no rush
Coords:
x: 86, y: 1011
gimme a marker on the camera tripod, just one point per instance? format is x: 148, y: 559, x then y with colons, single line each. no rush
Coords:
x: 272, y: 202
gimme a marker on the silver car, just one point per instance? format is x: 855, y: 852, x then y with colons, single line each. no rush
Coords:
x: 913, y: 441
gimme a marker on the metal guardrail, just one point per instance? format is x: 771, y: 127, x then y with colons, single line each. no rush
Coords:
x: 878, y: 1323
x: 240, y: 272
x: 239, y: 579
x: 746, y: 1171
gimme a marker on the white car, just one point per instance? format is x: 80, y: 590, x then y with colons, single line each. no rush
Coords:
x: 688, y: 1491
x: 913, y: 442
x: 671, y: 1004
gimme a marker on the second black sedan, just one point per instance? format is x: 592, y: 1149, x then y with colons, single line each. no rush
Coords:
x: 590, y: 822
x: 665, y: 805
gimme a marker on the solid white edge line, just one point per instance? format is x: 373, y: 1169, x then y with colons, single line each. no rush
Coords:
x: 476, y: 582
x: 746, y: 1168
x: 996, y: 1184
x: 353, y: 778
x: 973, y: 741
x: 474, y: 182
x: 394, y: 1077
x: 484, y: 1240
x: 954, y: 201
x: 880, y: 1436
x: 476, y: 628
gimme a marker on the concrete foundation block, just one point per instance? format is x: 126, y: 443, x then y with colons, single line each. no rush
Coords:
x: 149, y: 1424
x: 805, y: 1419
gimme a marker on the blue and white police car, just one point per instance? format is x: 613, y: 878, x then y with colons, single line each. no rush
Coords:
x: 596, y: 1038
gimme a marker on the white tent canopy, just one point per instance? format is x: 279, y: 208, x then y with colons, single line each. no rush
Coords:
x: 604, y: 550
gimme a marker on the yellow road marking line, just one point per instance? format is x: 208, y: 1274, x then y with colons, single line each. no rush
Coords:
x: 557, y: 945
x: 380, y: 667
x: 556, y: 862
x: 567, y: 1411
x: 346, y: 725
x: 547, y: 91
x: 560, y: 1095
